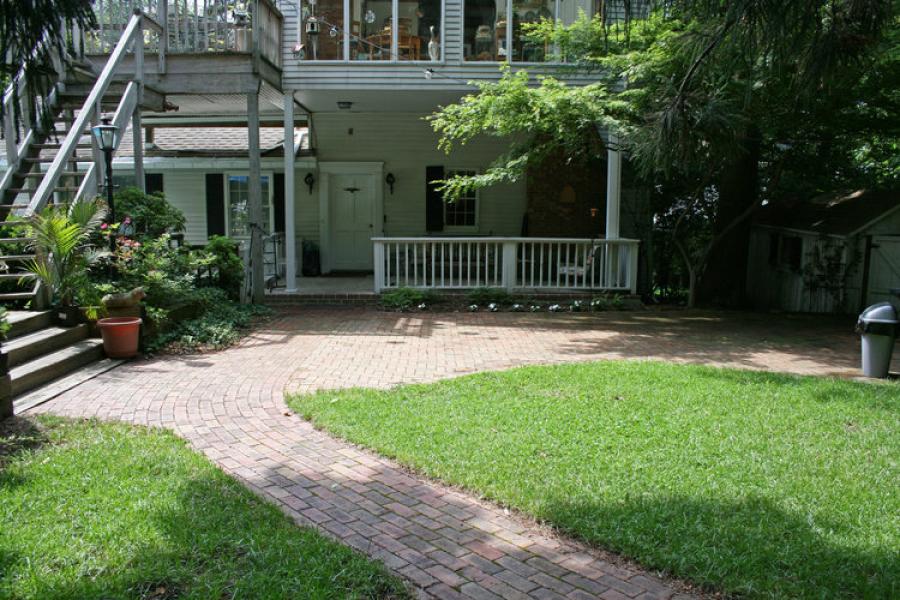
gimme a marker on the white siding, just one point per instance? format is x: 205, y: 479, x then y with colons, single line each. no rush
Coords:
x: 406, y: 145
x: 186, y: 191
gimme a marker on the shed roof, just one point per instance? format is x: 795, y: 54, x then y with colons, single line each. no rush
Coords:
x: 835, y: 214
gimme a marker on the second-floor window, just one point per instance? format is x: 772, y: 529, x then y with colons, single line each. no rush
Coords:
x: 489, y: 34
x: 369, y: 30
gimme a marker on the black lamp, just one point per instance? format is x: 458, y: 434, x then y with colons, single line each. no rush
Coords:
x: 309, y: 180
x: 107, y: 137
x: 390, y: 180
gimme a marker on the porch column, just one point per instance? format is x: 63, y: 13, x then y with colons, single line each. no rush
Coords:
x: 613, y: 186
x: 254, y: 198
x: 290, y: 240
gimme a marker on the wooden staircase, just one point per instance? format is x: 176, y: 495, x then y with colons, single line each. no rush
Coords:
x: 57, y: 165
x: 36, y: 352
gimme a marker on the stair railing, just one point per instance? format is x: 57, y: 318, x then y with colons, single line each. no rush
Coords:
x: 18, y: 101
x: 90, y: 113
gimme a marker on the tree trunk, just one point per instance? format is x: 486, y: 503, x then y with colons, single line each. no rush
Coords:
x: 725, y: 275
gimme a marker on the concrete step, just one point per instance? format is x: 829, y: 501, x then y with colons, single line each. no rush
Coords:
x: 23, y: 322
x: 48, y: 367
x: 17, y: 296
x: 44, y: 341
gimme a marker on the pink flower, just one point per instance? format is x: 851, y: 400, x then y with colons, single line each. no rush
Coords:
x: 104, y: 226
x: 127, y: 221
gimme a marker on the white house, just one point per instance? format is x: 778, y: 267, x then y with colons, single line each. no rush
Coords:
x: 347, y: 83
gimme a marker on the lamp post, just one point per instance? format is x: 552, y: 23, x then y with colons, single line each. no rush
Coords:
x: 107, y: 138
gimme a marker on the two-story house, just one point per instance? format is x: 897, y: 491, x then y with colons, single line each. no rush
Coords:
x: 220, y: 88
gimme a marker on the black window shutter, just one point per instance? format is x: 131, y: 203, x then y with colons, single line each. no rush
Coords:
x: 153, y: 183
x: 278, y: 201
x: 434, y: 200
x: 215, y: 204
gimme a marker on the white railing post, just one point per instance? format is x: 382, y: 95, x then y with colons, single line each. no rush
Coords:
x: 162, y: 16
x: 378, y: 254
x: 9, y: 131
x: 508, y: 275
x: 633, y: 266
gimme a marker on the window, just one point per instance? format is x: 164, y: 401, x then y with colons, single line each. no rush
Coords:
x: 238, y: 195
x: 786, y: 251
x: 462, y: 212
x: 487, y: 28
x: 371, y: 30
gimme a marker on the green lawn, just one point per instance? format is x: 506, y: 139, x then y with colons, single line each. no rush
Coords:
x: 754, y: 483
x: 90, y: 510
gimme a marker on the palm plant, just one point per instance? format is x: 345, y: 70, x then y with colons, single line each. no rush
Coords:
x: 63, y: 249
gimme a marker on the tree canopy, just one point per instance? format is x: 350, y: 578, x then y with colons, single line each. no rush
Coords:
x: 720, y: 105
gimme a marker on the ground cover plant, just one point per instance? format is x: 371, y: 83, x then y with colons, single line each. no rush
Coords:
x: 90, y: 510
x: 757, y: 484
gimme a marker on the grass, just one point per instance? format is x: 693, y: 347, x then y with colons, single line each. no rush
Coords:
x: 90, y: 510
x: 757, y: 484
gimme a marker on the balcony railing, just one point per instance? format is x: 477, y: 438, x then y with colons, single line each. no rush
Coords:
x: 191, y: 27
x: 560, y: 264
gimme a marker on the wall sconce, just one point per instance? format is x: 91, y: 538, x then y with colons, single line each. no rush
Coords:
x: 594, y: 212
x: 309, y: 180
x: 390, y: 180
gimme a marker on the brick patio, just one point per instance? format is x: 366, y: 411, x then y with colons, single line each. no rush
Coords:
x: 230, y: 406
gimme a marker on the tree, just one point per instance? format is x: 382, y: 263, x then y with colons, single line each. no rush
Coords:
x: 32, y: 33
x: 724, y: 106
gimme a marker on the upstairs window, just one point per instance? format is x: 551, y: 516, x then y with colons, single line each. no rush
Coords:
x: 371, y: 30
x: 494, y: 30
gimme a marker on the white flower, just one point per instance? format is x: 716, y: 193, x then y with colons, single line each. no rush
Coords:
x: 422, y: 306
x: 473, y: 308
x: 493, y: 307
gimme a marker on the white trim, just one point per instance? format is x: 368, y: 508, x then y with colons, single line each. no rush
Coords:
x: 326, y: 170
x: 207, y: 164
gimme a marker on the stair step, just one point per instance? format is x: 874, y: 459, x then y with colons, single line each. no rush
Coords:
x: 62, y: 174
x: 30, y: 191
x: 17, y: 257
x: 17, y: 295
x: 50, y: 159
x: 50, y: 366
x: 23, y: 322
x: 16, y: 276
x: 14, y: 223
x: 41, y: 342
x: 55, y: 146
x: 13, y: 240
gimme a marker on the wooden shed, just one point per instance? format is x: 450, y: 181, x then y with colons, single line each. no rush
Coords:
x: 833, y: 254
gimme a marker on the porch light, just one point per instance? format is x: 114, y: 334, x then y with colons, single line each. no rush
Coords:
x: 107, y: 135
x: 309, y: 180
x: 390, y: 180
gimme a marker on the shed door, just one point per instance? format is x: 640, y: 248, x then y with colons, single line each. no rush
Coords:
x: 352, y: 221
x: 884, y: 270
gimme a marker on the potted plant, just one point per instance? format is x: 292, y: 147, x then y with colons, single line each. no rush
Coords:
x: 63, y: 249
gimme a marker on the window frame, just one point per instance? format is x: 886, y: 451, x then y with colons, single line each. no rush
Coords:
x: 557, y: 4
x: 395, y: 21
x: 449, y: 172
x: 227, y: 200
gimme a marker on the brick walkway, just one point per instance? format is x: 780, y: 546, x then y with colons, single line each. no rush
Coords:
x: 230, y: 406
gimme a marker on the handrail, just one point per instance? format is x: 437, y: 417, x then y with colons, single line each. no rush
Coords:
x: 48, y: 182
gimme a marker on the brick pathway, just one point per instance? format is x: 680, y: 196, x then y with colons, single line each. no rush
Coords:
x: 230, y: 406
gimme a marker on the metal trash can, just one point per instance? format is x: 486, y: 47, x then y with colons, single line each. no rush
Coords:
x: 878, y: 326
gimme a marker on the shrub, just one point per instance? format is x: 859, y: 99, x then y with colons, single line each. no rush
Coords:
x: 486, y: 295
x: 406, y: 298
x: 151, y: 214
x: 218, y: 326
x: 224, y: 258
x: 4, y: 323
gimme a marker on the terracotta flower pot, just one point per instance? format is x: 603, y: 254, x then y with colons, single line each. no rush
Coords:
x: 120, y: 336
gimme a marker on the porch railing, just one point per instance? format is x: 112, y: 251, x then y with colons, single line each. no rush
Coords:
x: 562, y: 264
x: 192, y: 27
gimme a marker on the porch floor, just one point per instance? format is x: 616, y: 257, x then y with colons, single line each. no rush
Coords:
x: 330, y: 285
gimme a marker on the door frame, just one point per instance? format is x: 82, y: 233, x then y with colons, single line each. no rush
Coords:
x: 326, y: 171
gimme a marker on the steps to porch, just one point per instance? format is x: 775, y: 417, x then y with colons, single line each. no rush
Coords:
x: 36, y: 353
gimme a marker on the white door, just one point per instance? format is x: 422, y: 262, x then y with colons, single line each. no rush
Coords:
x: 352, y: 221
x: 884, y: 270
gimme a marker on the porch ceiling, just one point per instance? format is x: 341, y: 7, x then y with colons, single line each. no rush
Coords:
x: 374, y: 101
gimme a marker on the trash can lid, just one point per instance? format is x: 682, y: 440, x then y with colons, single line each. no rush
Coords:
x: 883, y: 312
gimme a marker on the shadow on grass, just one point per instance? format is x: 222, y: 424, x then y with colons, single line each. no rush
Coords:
x: 208, y: 538
x: 18, y: 435
x: 751, y: 547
